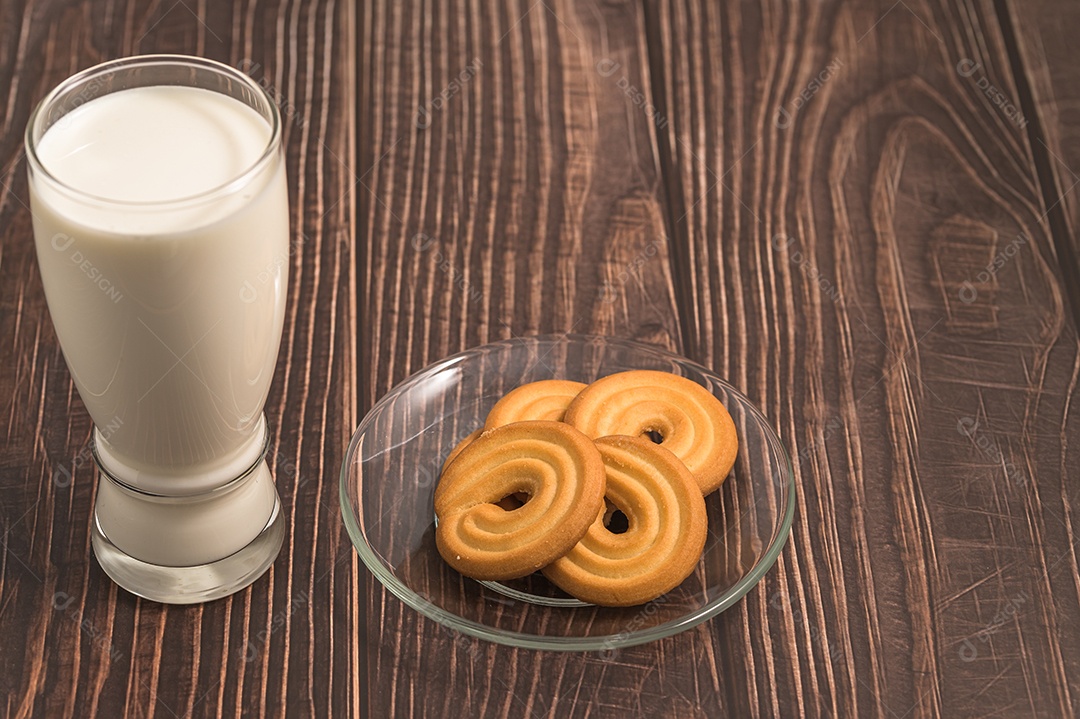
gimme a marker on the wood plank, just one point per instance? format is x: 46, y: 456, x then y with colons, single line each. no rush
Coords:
x: 74, y: 644
x: 556, y: 181
x: 932, y: 568
x: 527, y: 199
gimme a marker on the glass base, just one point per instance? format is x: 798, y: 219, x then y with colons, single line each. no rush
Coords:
x: 197, y: 583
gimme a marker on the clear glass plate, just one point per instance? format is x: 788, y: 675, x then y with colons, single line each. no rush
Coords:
x: 388, y: 482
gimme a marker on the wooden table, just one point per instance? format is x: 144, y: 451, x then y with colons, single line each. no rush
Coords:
x: 863, y: 214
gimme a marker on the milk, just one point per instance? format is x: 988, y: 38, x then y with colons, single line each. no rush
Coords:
x: 167, y: 291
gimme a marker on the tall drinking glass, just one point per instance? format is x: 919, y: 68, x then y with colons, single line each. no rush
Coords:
x: 160, y: 211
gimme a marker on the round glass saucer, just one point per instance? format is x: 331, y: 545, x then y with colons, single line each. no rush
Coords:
x: 392, y: 465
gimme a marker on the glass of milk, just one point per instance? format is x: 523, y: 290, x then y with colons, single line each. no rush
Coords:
x: 161, y: 221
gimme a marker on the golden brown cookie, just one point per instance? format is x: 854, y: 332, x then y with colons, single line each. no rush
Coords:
x: 686, y: 418
x: 560, y: 470
x: 664, y: 537
x: 546, y: 399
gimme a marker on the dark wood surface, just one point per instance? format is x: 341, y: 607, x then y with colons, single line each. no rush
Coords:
x: 623, y: 169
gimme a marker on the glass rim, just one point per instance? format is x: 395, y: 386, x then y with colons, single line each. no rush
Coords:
x: 374, y: 563
x: 109, y: 66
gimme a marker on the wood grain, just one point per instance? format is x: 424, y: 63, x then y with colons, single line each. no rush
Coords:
x: 1045, y: 61
x: 74, y: 644
x: 930, y: 567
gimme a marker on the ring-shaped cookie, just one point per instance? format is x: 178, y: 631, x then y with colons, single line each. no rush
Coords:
x: 684, y: 416
x: 664, y: 537
x: 545, y: 399
x: 558, y: 467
